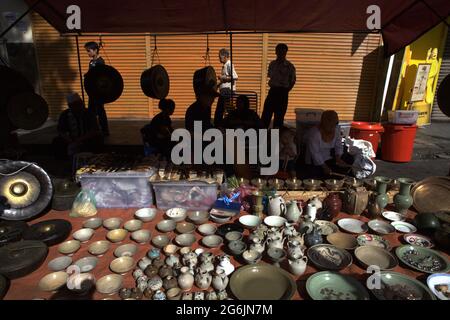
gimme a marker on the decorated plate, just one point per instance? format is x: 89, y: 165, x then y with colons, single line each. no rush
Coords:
x: 328, y: 285
x: 393, y: 216
x: 418, y: 240
x: 329, y: 257
x: 439, y: 284
x: 422, y: 259
x: 353, y: 225
x: 373, y: 240
x: 326, y: 227
x: 404, y: 227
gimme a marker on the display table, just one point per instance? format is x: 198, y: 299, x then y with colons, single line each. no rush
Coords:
x: 27, y: 287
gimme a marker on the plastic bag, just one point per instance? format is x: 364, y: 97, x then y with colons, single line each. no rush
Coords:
x: 84, y: 205
x: 362, y: 151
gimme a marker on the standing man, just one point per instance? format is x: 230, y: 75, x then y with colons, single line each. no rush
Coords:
x: 96, y: 107
x: 282, y: 80
x: 227, y: 85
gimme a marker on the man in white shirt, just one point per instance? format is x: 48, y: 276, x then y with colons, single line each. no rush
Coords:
x: 282, y: 80
x: 227, y: 85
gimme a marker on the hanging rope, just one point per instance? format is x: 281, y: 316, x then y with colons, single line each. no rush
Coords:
x: 155, y: 52
x: 101, y: 45
x: 206, y: 57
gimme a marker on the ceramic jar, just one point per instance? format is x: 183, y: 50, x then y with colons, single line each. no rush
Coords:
x: 153, y: 253
x: 293, y: 213
x: 277, y: 206
x: 148, y: 293
x: 171, y: 260
x: 275, y: 241
x: 311, y: 211
x: 138, y: 273
x: 206, y: 257
x: 294, y: 249
x: 187, y: 296
x: 185, y: 279
x: 211, y: 295
x: 206, y: 266
x: 355, y: 200
x: 203, y: 279
x: 165, y: 271
x: 225, y: 265
x: 220, y: 280
x: 289, y: 230
x: 170, y: 282
x: 298, y: 266
x: 158, y: 262
x: 257, y: 245
x: 403, y: 199
x: 189, y: 260
x: 151, y: 271
x: 382, y: 197
x: 373, y: 208
x: 333, y: 204
x: 306, y: 225
x: 222, y: 295
x: 159, y: 295
x: 314, y: 237
x: 124, y: 293
x: 199, y: 295
x: 144, y: 263
x: 155, y: 283
x: 142, y: 284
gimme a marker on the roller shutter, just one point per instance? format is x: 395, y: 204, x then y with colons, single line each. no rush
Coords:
x: 436, y: 114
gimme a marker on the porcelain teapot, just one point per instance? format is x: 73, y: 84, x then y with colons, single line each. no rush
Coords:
x: 275, y: 242
x: 258, y: 245
x: 293, y: 213
x: 289, y: 230
x: 295, y: 249
x: 277, y: 206
x: 298, y: 266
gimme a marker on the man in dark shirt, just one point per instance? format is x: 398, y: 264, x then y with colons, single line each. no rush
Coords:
x: 77, y: 130
x: 96, y: 107
x: 242, y: 117
x: 199, y: 110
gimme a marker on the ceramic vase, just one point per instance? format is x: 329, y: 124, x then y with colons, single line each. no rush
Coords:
x: 185, y: 279
x: 314, y: 237
x: 311, y: 211
x: 298, y: 266
x: 382, y: 197
x: 373, y: 208
x: 277, y: 206
x: 355, y: 200
x: 203, y: 279
x: 220, y: 280
x: 403, y: 199
x: 293, y: 213
x: 334, y: 205
x: 316, y: 202
x: 170, y: 282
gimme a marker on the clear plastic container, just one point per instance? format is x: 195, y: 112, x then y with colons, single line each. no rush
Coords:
x: 403, y: 116
x: 190, y: 195
x: 128, y: 189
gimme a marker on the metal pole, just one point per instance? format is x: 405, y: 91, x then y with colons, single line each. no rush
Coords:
x: 20, y: 18
x: 79, y: 69
x: 231, y: 59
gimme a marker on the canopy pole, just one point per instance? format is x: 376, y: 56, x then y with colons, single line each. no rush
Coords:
x: 79, y: 69
x: 231, y: 59
x: 19, y: 18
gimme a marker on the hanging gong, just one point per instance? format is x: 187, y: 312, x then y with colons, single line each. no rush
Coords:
x: 21, y: 258
x: 50, y: 232
x: 155, y: 82
x: 103, y: 83
x: 24, y: 188
x: 11, y: 231
x: 205, y: 78
x: 443, y: 96
x: 12, y: 83
x: 4, y: 286
x: 27, y: 110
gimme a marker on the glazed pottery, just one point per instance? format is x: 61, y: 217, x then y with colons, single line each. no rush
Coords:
x: 151, y: 271
x: 60, y: 263
x: 222, y: 295
x: 166, y: 225
x: 380, y: 227
x: 109, y: 284
x: 207, y: 229
x: 206, y: 257
x: 375, y: 256
x: 353, y: 225
x: 307, y: 225
x: 154, y: 253
x: 237, y: 247
x: 220, y: 280
x: 333, y: 204
x: 442, y: 238
x: 277, y: 206
x: 275, y: 221
x: 225, y: 264
x: 206, y: 266
x: 189, y: 259
x: 69, y: 247
x: 160, y: 241
x: 86, y: 264
x: 211, y: 295
x: 187, y: 296
x: 422, y: 259
x: 397, y: 286
x: 172, y: 260
x: 127, y: 250
x: 159, y: 295
x: 275, y: 241
x: 199, y: 295
x: 439, y: 284
x: 122, y: 265
x: 165, y: 271
x: 170, y: 249
x: 405, y: 227
x: 185, y: 227
x: 382, y: 197
x: 112, y: 223
x: 185, y: 239
x: 93, y: 223
x: 132, y: 225
x: 198, y: 217
x: 185, y: 279
x: 311, y: 211
x: 426, y: 222
x: 203, y: 279
x: 117, y: 235
x: 403, y: 199
x: 316, y: 202
x: 144, y: 263
x: 173, y: 293
x: 145, y: 214
x: 170, y: 282
x: 258, y: 245
x: 314, y: 237
x: 155, y: 283
x: 158, y: 262
x: 293, y: 212
x: 176, y: 214
x: 298, y: 266
x: 294, y: 249
x: 81, y: 283
x: 373, y: 240
x: 342, y: 240
x: 141, y: 236
x: 53, y: 281
x: 329, y: 257
x: 373, y: 208
x: 233, y: 236
x: 250, y: 221
x: 328, y: 285
x: 212, y: 241
x: 326, y: 227
x: 418, y: 240
x: 98, y: 248
x: 355, y: 200
x: 251, y: 256
x: 393, y: 216
x: 276, y: 255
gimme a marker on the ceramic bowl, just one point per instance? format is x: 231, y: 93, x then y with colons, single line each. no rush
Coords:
x: 53, y: 281
x: 439, y: 281
x: 233, y: 236
x: 207, y: 229
x: 352, y: 225
x: 170, y: 249
x: 112, y: 223
x: 342, y: 240
x: 333, y: 184
x: 174, y: 294
x: 185, y: 239
x: 132, y: 225
x: 219, y: 219
x: 312, y: 184
x: 93, y: 223
x: 98, y: 248
x: 380, y: 227
x: 404, y: 227
x: 60, y: 263
x: 117, y: 235
x: 198, y: 217
x: 212, y: 241
x: 237, y: 247
x: 86, y: 264
x: 251, y: 256
x: 329, y: 257
x: 83, y: 235
x: 185, y: 250
x: 176, y: 214
x: 275, y: 221
x: 166, y: 225
x: 146, y: 214
x: 160, y: 241
x: 141, y: 236
x: 69, y: 247
x: 371, y: 255
x: 373, y: 240
x: 393, y: 216
x: 326, y: 285
x: 250, y: 221
x: 418, y: 240
x: 276, y: 254
x: 122, y: 265
x: 81, y: 283
x: 125, y: 250
x: 109, y: 284
x: 185, y: 227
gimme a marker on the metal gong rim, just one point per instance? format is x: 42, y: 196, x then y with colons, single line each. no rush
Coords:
x: 27, y: 110
x: 21, y: 189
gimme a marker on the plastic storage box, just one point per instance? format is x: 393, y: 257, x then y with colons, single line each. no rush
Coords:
x: 190, y: 195
x: 403, y: 116
x: 128, y: 189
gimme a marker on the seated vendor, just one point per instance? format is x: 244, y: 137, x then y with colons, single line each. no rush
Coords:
x: 324, y: 148
x: 78, y: 130
x: 242, y: 117
x: 200, y: 110
x: 157, y: 134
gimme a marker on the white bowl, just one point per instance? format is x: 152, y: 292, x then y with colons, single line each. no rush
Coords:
x: 141, y: 236
x: 393, y: 216
x: 207, y: 229
x: 86, y: 264
x: 60, y: 263
x: 275, y: 221
x: 146, y: 214
x: 176, y: 214
x: 250, y: 221
x: 98, y: 248
x: 438, y: 279
x: 93, y: 223
x: 83, y: 235
x: 402, y: 226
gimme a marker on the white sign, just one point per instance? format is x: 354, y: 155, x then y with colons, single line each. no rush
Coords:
x: 420, y: 84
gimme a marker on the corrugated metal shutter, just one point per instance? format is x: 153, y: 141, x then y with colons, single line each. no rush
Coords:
x: 334, y: 71
x: 58, y: 68
x: 436, y: 114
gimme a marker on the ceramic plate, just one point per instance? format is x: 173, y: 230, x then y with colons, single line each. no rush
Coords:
x: 405, y: 227
x: 328, y: 285
x: 375, y: 256
x: 418, y: 240
x: 329, y: 257
x: 397, y: 286
x: 393, y: 216
x: 262, y: 282
x: 422, y: 259
x: 326, y: 227
x: 373, y: 240
x: 439, y: 284
x: 353, y: 225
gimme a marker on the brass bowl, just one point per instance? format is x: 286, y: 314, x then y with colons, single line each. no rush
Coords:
x: 53, y: 281
x: 333, y: 184
x: 117, y: 235
x: 98, y: 248
x: 294, y: 184
x: 312, y: 184
x: 69, y: 247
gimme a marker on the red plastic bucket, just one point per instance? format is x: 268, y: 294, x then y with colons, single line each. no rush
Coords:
x: 397, y: 143
x: 369, y: 131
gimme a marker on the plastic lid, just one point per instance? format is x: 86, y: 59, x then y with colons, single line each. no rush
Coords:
x: 371, y: 126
